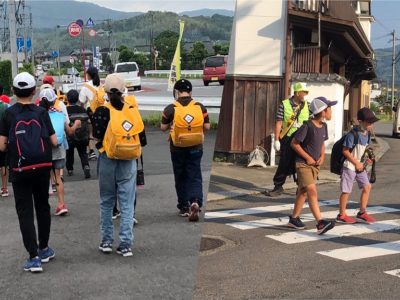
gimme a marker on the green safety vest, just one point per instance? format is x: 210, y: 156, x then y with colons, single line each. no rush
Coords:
x: 288, y: 113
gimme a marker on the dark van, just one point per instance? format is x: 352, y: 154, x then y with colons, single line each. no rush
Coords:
x: 214, y: 69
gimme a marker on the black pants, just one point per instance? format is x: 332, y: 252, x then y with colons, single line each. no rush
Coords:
x: 283, y: 167
x: 81, y: 147
x: 27, y: 194
x: 186, y: 164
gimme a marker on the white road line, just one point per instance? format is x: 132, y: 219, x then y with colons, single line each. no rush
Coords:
x: 360, y: 252
x: 270, y: 222
x: 338, y: 231
x: 393, y: 272
x: 259, y: 210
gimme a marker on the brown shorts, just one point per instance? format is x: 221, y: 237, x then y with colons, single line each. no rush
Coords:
x: 306, y: 175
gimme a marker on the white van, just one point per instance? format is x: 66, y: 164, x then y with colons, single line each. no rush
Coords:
x: 396, y: 120
x: 130, y: 72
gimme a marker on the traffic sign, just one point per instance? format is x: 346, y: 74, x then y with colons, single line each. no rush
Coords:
x: 92, y: 32
x: 20, y: 44
x: 54, y: 53
x: 89, y: 22
x: 74, y: 29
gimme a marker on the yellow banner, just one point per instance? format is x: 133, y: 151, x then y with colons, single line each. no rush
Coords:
x: 175, y: 72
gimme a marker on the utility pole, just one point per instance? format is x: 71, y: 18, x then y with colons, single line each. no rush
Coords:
x: 13, y: 37
x: 393, y: 66
x: 32, y: 53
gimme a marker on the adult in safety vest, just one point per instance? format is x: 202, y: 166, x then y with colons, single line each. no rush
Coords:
x: 292, y: 113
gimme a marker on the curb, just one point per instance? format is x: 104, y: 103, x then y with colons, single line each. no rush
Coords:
x: 223, y: 195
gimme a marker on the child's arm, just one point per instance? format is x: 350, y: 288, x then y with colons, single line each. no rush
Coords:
x: 300, y: 151
x: 347, y: 154
x: 3, y: 143
x: 321, y: 159
x: 70, y: 130
x: 53, y: 140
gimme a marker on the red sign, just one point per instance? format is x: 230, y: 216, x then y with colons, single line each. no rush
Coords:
x: 92, y: 32
x: 74, y: 29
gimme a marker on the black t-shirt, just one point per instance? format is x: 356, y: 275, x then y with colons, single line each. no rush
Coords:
x: 311, y: 139
x: 168, y: 118
x: 5, y: 126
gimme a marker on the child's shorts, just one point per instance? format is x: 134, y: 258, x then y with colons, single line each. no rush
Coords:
x: 59, y: 164
x: 306, y: 175
x: 348, y: 177
x: 3, y: 159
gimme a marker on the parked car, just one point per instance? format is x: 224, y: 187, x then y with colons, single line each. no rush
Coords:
x: 396, y: 120
x: 214, y: 69
x: 130, y: 72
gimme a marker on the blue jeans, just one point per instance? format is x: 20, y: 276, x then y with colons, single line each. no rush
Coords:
x: 117, y: 180
x: 188, y: 179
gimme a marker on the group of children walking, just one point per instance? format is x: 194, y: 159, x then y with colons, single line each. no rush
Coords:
x: 40, y: 138
x: 308, y: 144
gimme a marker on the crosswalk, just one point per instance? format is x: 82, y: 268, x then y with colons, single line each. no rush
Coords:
x: 254, y: 218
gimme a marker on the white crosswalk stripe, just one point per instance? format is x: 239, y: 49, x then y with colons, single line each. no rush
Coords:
x: 249, y: 218
x: 360, y: 252
x: 270, y: 222
x: 394, y: 272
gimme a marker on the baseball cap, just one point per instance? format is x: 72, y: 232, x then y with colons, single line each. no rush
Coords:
x: 319, y: 104
x: 367, y: 115
x: 183, y: 85
x: 48, y: 79
x: 48, y: 94
x: 114, y: 81
x: 24, y: 81
x: 300, y: 87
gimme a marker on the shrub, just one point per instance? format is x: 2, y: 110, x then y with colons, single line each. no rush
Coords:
x: 6, y: 76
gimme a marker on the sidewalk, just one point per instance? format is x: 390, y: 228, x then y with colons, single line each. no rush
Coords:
x: 229, y: 180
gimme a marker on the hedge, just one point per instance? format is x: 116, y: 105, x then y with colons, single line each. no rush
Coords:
x: 6, y: 76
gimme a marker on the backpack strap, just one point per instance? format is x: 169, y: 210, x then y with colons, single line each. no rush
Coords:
x: 92, y: 89
x: 355, y: 142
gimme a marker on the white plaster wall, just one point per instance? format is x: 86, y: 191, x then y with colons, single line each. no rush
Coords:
x: 334, y: 92
x: 366, y: 26
x: 257, y: 44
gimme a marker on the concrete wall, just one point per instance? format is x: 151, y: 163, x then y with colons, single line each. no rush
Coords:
x: 258, y: 38
x: 335, y: 92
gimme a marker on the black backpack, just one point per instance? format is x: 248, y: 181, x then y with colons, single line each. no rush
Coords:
x: 29, y: 136
x: 337, y: 157
x: 81, y: 134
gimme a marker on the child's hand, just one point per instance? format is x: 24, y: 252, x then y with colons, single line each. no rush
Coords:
x: 369, y: 161
x: 319, y: 161
x: 77, y: 123
x: 310, y: 161
x: 359, y: 167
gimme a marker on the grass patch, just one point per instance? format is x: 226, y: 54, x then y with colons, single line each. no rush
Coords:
x: 385, y: 118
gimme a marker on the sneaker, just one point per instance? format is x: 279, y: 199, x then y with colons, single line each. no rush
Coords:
x: 345, y: 219
x: 105, y: 247
x: 4, y: 192
x: 61, y: 210
x: 194, y: 212
x: 124, y: 251
x: 33, y: 265
x: 116, y: 214
x: 295, y: 223
x: 70, y: 172
x: 324, y: 225
x: 135, y: 221
x: 275, y: 192
x: 46, y: 254
x: 184, y: 212
x: 92, y: 155
x: 365, y: 218
x: 86, y: 170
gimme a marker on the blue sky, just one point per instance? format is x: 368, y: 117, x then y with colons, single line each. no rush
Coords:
x: 387, y: 18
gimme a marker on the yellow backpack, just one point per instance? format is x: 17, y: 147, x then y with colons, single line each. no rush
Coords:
x: 187, y: 129
x: 98, y: 97
x: 121, y: 140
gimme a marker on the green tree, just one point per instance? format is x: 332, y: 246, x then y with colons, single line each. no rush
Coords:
x: 165, y: 43
x: 221, y: 49
x: 6, y: 76
x: 142, y: 60
x: 196, y: 56
x: 126, y: 55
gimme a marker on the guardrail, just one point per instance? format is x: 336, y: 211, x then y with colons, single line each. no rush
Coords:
x: 165, y: 73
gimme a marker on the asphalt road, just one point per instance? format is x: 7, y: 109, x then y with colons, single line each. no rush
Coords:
x: 262, y: 259
x: 165, y: 250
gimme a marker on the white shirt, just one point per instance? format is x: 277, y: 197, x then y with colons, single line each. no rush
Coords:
x: 86, y: 95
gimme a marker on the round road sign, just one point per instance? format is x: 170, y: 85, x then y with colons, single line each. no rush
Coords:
x: 92, y: 32
x: 74, y: 29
